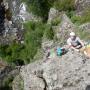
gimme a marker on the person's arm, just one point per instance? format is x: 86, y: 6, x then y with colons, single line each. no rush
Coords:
x: 74, y: 48
x: 80, y: 41
x: 69, y: 42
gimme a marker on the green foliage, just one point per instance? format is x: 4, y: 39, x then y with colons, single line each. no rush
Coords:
x: 70, y: 13
x: 16, y: 53
x: 56, y: 21
x: 7, y: 84
x: 11, y: 52
x: 76, y: 19
x: 39, y: 7
x: 33, y: 38
x: 42, y: 7
x: 81, y: 19
x: 84, y: 35
x: 64, y: 5
x: 49, y: 33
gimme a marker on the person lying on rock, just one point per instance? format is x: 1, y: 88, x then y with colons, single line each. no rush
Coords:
x: 74, y: 42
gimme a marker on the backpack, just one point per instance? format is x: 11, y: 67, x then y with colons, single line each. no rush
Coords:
x: 59, y: 51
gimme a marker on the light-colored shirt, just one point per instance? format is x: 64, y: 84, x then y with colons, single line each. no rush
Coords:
x: 74, y: 42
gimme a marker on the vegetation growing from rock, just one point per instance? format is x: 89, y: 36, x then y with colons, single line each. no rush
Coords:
x: 64, y: 5
x: 84, y: 35
x: 56, y: 21
x: 81, y: 19
x: 7, y: 84
x: 19, y: 54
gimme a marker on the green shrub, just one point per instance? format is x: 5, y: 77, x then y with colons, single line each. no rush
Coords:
x: 84, y: 35
x: 19, y: 54
x: 56, y: 21
x: 76, y: 19
x: 11, y: 52
x: 70, y: 13
x: 33, y: 37
x: 64, y: 5
x: 49, y: 33
x: 81, y: 19
x: 7, y: 83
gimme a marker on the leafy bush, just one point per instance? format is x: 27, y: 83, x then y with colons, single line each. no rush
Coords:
x: 42, y: 7
x: 70, y: 13
x: 76, y: 19
x: 33, y: 38
x: 7, y: 84
x: 81, y: 19
x: 11, y: 52
x: 56, y: 21
x: 84, y: 35
x: 49, y: 33
x: 64, y: 5
x: 18, y: 53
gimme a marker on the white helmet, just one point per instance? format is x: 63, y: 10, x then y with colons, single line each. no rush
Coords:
x: 72, y: 34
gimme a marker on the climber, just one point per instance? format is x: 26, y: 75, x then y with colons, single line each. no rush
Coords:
x: 74, y: 42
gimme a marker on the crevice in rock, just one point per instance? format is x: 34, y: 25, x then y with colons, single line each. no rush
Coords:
x: 2, y: 17
x: 44, y: 82
x: 39, y: 74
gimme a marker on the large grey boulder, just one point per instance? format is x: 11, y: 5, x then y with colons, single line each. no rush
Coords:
x: 68, y: 72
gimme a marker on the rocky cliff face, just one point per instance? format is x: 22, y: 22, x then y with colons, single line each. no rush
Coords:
x: 12, y: 29
x: 68, y: 72
x: 81, y: 5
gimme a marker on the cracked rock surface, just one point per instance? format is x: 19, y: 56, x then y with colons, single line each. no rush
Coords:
x: 68, y: 72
